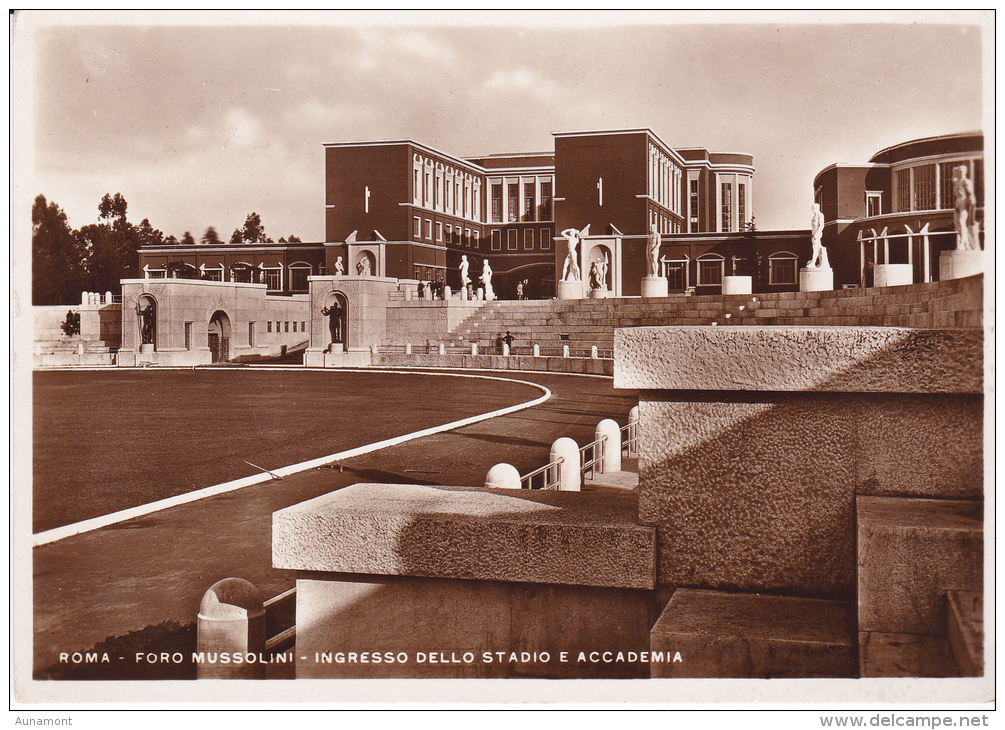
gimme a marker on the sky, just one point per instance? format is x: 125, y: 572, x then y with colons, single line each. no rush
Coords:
x: 200, y: 124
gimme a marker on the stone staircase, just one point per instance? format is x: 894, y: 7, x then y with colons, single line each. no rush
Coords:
x: 583, y: 324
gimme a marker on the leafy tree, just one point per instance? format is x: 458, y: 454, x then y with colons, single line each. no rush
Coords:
x: 253, y: 231
x: 112, y: 207
x: 294, y: 239
x: 236, y: 236
x: 170, y: 241
x: 57, y: 257
x: 148, y: 235
x: 111, y: 245
x: 210, y: 237
x: 187, y: 239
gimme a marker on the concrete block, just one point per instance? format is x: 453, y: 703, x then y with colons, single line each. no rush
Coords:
x: 754, y: 636
x: 533, y: 537
x: 966, y: 631
x: 904, y: 655
x: 910, y: 552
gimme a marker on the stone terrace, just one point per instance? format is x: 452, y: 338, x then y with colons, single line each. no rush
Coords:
x: 582, y: 324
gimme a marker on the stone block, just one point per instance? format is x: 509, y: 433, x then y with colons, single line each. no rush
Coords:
x: 966, y: 631
x: 910, y: 553
x: 456, y: 532
x: 904, y: 655
x: 754, y: 636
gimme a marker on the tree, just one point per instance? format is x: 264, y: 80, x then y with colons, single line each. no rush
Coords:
x: 111, y: 246
x: 294, y: 239
x: 148, y: 235
x: 253, y: 232
x: 112, y: 207
x: 210, y: 237
x: 57, y: 257
x: 170, y: 241
x: 236, y: 236
x: 187, y: 239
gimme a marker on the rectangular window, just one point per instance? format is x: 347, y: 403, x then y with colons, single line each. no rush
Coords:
x: 294, y: 326
x: 497, y: 203
x: 467, y: 237
x: 272, y: 279
x: 298, y: 278
x: 545, y: 206
x: 416, y: 188
x: 727, y: 206
x: 676, y: 272
x: 268, y: 326
x: 545, y: 239
x: 417, y: 227
x: 303, y: 326
x: 511, y: 239
x: 694, y: 206
x: 287, y: 326
x: 710, y: 272
x: 924, y: 187
x: 438, y: 191
x: 741, y: 205
x: 427, y: 192
x: 476, y: 239
x: 903, y: 190
x: 439, y: 231
x: 251, y: 334
x: 429, y: 230
x: 528, y: 240
x: 873, y: 204
x: 528, y: 200
x: 214, y: 274
x: 512, y: 203
x: 782, y: 271
x: 450, y: 234
x: 497, y: 240
x: 977, y: 175
x: 188, y: 335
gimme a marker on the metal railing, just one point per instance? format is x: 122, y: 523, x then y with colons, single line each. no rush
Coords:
x: 550, y: 476
x: 593, y: 463
x: 523, y: 351
x: 630, y: 438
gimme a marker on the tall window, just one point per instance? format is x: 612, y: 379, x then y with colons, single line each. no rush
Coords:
x: 946, y: 184
x: 741, y: 205
x: 545, y: 239
x: 924, y: 187
x: 416, y: 228
x: 251, y: 334
x: 497, y: 202
x: 694, y: 206
x: 439, y: 231
x: 427, y: 190
x: 511, y: 239
x: 429, y: 230
x: 903, y: 190
x: 710, y: 270
x: 528, y: 239
x: 528, y: 200
x: 273, y: 279
x: 496, y: 240
x: 978, y: 178
x: 476, y: 238
x: 873, y: 204
x: 782, y: 268
x: 727, y: 206
x: 298, y: 278
x: 513, y: 203
x: 545, y: 206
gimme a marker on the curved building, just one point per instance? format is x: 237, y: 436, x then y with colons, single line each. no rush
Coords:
x: 897, y: 208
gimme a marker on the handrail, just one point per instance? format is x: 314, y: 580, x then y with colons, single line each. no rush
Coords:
x: 630, y: 444
x: 595, y: 464
x: 550, y: 480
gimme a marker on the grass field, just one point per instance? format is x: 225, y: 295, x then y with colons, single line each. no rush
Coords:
x: 107, y: 440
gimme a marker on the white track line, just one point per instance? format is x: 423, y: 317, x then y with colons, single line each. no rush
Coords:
x: 59, y: 533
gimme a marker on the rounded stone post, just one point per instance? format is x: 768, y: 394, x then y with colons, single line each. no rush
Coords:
x: 373, y: 349
x: 443, y: 349
x: 565, y: 351
x: 446, y: 293
x: 408, y: 348
x: 231, y: 620
x: 474, y: 348
x: 593, y: 352
x: 505, y: 349
x: 537, y: 350
x: 85, y: 297
x: 108, y: 297
x: 502, y: 476
x: 612, y: 449
x: 569, y: 451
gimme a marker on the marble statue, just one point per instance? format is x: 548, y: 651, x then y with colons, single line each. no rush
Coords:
x: 465, y: 279
x: 818, y: 258
x: 363, y: 266
x: 570, y: 272
x: 334, y: 315
x: 486, y: 278
x: 964, y: 208
x: 146, y: 315
x: 653, y: 252
x: 339, y: 269
x: 598, y: 273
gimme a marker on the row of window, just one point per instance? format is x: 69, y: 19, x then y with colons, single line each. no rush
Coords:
x: 527, y: 199
x: 782, y: 268
x: 446, y: 189
x: 271, y: 276
x: 727, y: 207
x: 665, y: 178
x: 513, y: 239
x: 929, y: 186
x: 281, y: 326
x: 455, y: 235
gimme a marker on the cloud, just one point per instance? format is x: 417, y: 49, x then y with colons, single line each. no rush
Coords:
x: 242, y: 129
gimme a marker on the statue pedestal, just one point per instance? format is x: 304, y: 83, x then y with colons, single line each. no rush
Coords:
x: 893, y: 275
x: 655, y: 286
x: 957, y: 264
x: 569, y: 289
x: 147, y: 348
x: 816, y: 279
x: 600, y: 293
x: 737, y: 285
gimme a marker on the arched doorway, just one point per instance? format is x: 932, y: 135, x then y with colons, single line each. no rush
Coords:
x: 219, y: 336
x: 336, y: 311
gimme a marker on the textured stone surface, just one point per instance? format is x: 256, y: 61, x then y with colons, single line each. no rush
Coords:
x: 345, y: 613
x: 905, y: 655
x: 750, y: 635
x: 910, y: 552
x: 756, y: 491
x: 457, y: 532
x: 966, y: 631
x: 835, y: 359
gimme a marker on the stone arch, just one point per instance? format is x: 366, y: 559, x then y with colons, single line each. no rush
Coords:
x: 146, y: 321
x: 337, y: 321
x: 597, y: 253
x: 365, y: 263
x: 219, y: 332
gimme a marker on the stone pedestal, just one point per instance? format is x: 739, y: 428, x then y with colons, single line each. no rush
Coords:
x: 655, y: 286
x: 569, y: 289
x: 816, y: 279
x: 737, y: 285
x: 147, y: 348
x: 600, y: 293
x: 893, y: 275
x: 957, y: 264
